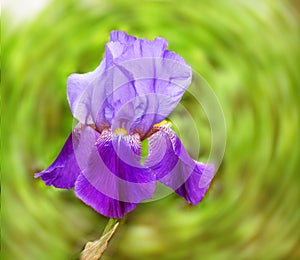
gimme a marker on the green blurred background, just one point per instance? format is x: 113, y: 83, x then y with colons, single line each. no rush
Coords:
x: 248, y: 51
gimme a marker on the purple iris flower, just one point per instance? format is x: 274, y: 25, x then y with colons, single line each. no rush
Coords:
x: 118, y: 105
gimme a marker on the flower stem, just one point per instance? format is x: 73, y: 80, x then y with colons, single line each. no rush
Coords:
x: 110, y: 224
x: 94, y: 250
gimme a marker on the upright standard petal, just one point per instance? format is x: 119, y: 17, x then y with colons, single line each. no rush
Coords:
x: 81, y: 87
x: 148, y: 80
x: 138, y: 83
x: 174, y: 167
x: 79, y: 94
x: 122, y: 37
x: 113, y: 180
x: 63, y: 172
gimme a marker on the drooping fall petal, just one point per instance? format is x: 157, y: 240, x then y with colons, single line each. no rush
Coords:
x: 63, y: 172
x: 112, y: 180
x: 175, y: 168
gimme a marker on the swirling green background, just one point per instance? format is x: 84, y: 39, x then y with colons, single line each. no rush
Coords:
x: 248, y: 51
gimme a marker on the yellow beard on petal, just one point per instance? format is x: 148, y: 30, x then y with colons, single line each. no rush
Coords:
x: 162, y: 123
x: 120, y: 131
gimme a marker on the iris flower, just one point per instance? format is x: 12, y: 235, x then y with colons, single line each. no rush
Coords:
x: 118, y: 105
